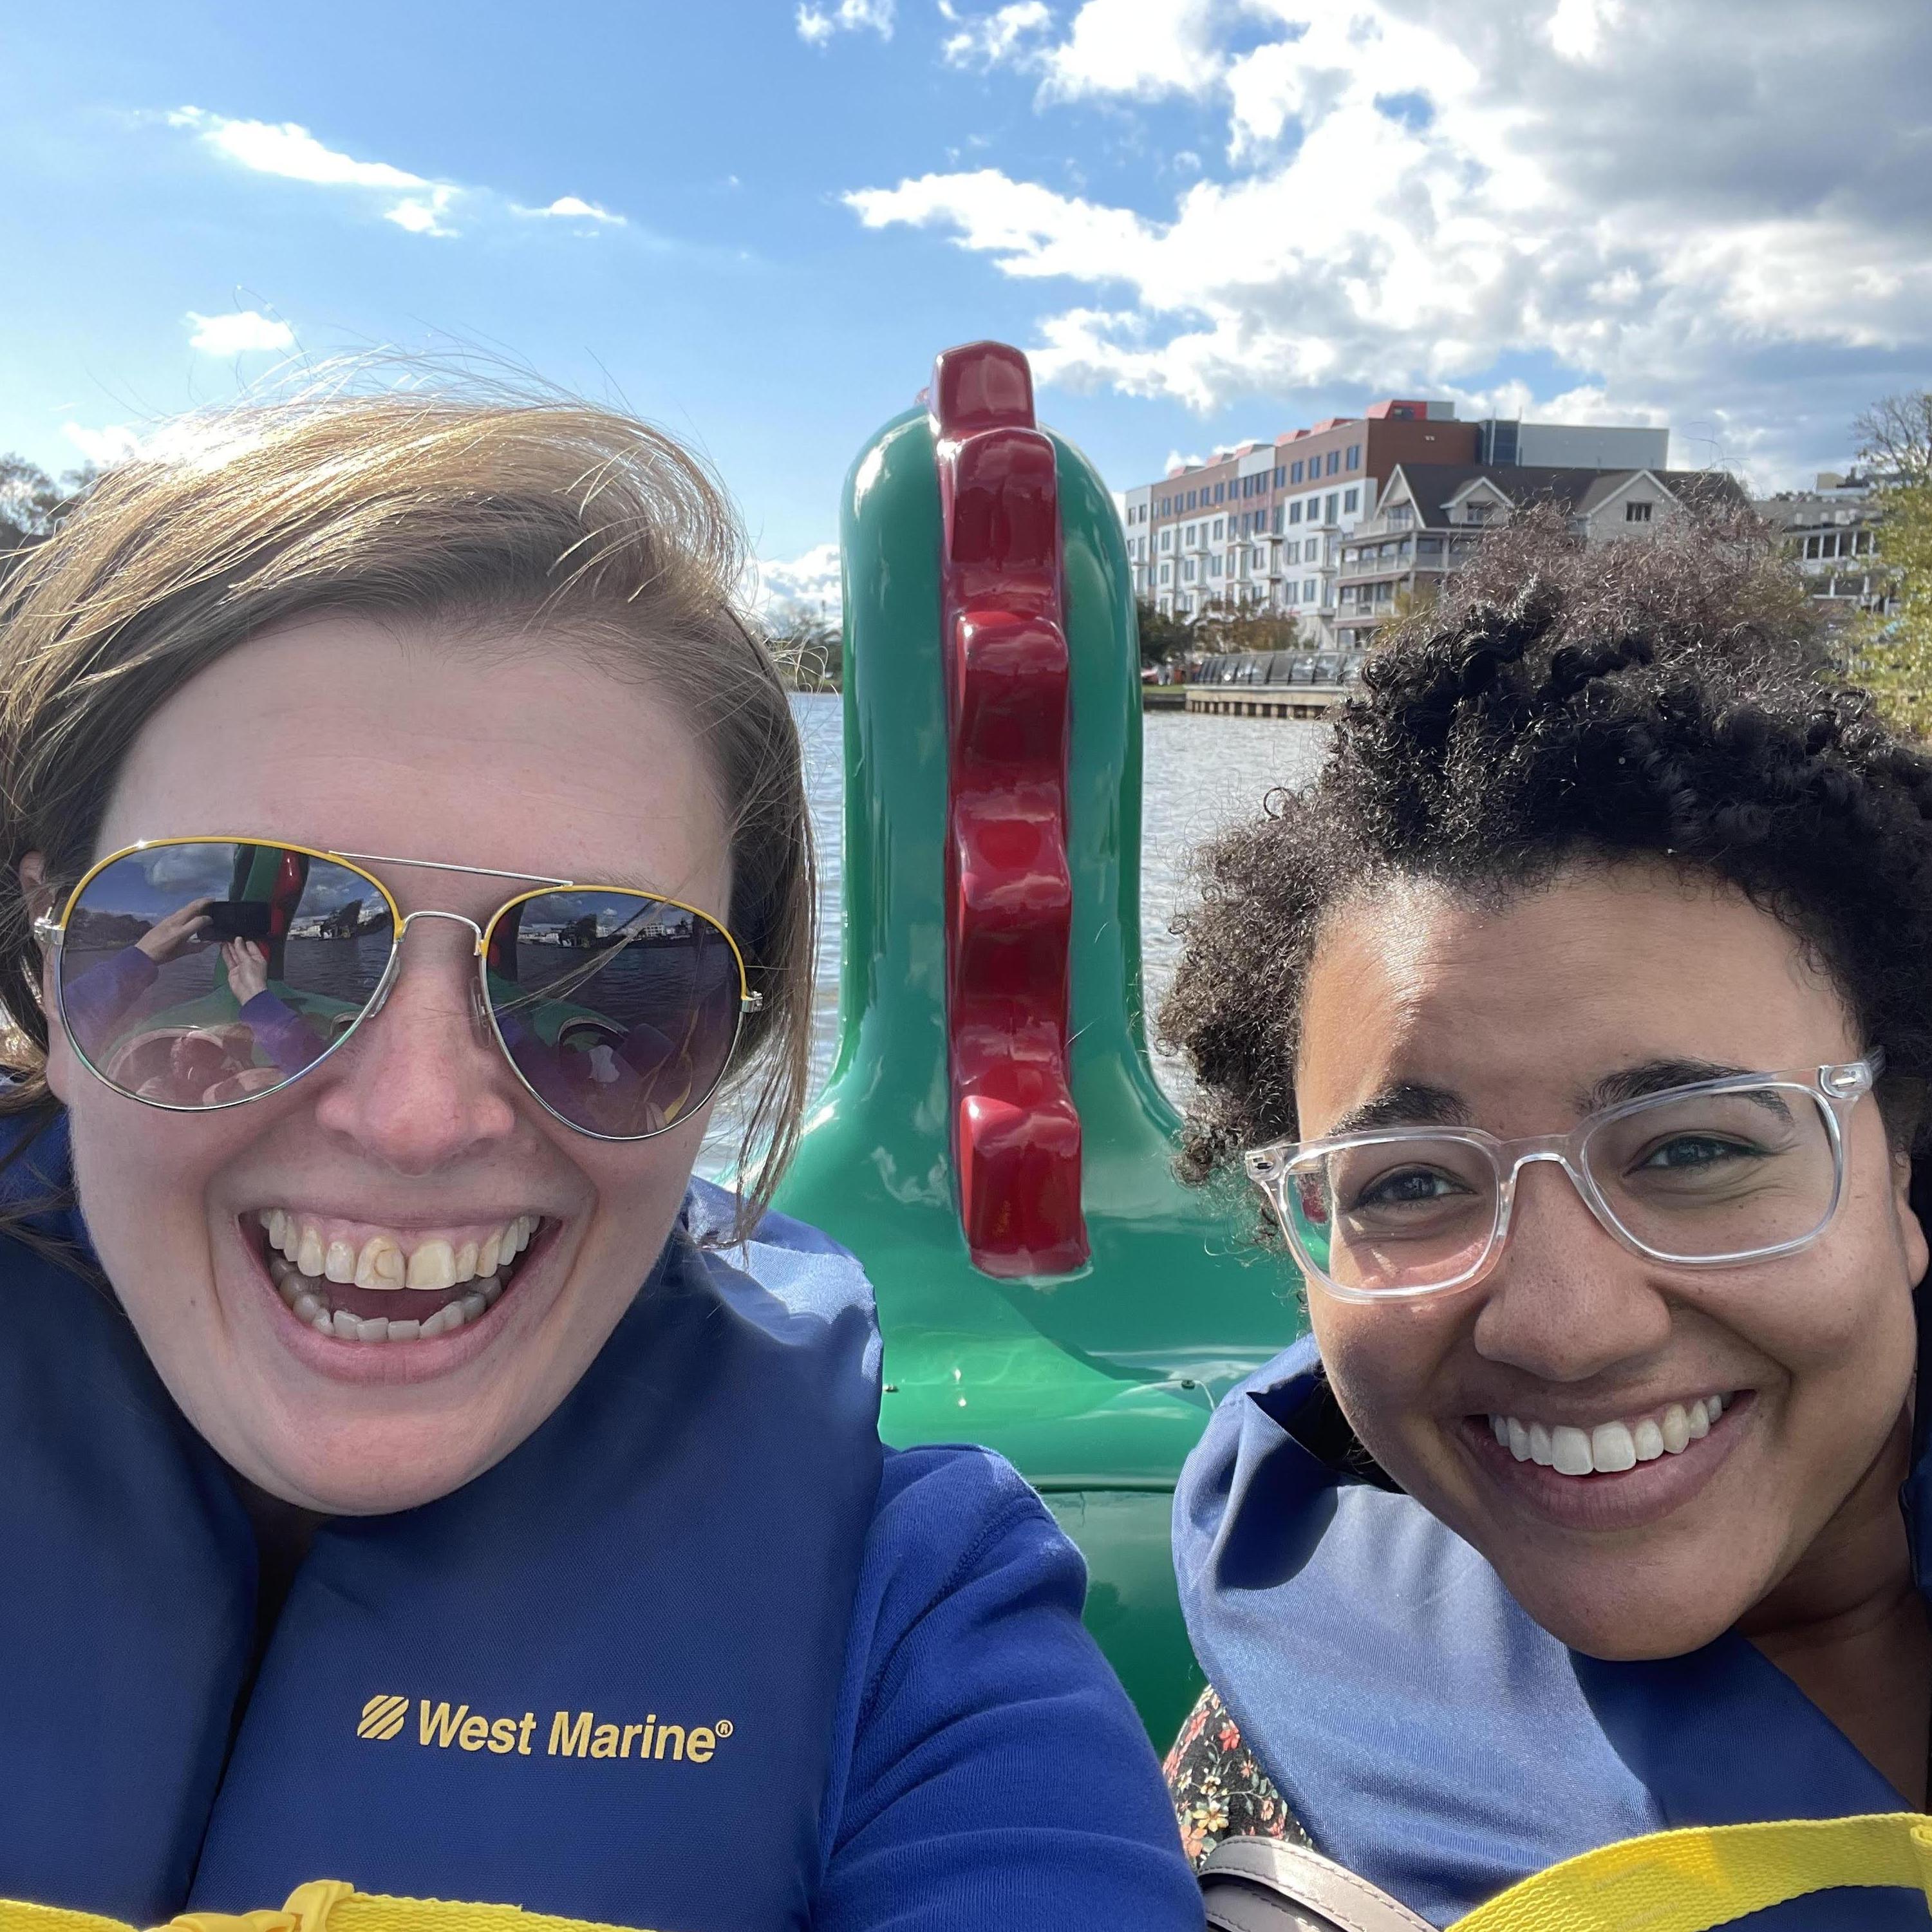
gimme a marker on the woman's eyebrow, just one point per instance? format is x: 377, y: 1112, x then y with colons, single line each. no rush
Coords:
x: 1408, y: 1104
x: 1647, y: 1077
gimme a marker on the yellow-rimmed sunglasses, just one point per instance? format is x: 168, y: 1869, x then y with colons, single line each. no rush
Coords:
x: 197, y: 974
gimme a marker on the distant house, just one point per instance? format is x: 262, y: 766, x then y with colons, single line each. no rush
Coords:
x: 1831, y: 533
x: 1432, y: 516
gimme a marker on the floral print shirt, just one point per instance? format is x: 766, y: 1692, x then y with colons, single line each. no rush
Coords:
x: 1219, y: 1789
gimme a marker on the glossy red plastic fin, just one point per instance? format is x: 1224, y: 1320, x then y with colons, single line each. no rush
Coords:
x: 1009, y: 892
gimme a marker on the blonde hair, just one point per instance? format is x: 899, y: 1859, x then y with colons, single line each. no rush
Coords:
x: 511, y: 513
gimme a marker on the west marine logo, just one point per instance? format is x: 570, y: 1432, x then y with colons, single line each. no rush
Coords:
x: 441, y: 1726
x: 383, y: 1718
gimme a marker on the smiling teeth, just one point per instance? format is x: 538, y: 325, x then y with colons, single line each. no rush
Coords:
x: 301, y: 1264
x: 1612, y: 1447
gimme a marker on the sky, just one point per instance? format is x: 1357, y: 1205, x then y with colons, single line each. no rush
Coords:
x: 755, y: 224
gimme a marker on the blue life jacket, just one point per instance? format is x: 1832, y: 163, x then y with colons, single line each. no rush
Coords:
x: 1432, y: 1736
x: 640, y: 1672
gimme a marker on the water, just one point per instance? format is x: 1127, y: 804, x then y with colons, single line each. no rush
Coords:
x: 1201, y: 774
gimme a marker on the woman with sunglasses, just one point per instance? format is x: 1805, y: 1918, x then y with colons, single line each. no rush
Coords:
x: 413, y: 1476
x: 1574, y: 1025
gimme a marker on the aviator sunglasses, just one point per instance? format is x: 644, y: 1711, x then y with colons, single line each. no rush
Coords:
x: 197, y: 973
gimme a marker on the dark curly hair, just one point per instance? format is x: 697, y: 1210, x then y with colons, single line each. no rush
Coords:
x: 1663, y: 698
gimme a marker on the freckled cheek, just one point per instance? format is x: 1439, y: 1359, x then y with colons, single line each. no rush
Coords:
x: 1843, y: 1309
x: 1383, y: 1364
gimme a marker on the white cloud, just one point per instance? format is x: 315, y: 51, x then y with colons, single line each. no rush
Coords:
x: 202, y: 440
x: 571, y: 205
x: 422, y: 214
x: 1140, y: 48
x: 989, y: 39
x: 1577, y: 27
x: 248, y: 332
x: 817, y: 25
x: 412, y: 202
x: 807, y: 586
x: 103, y: 448
x: 1664, y: 204
x: 290, y: 151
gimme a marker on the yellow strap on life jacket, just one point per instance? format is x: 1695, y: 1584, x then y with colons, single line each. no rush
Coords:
x: 323, y: 1905
x: 1690, y: 1881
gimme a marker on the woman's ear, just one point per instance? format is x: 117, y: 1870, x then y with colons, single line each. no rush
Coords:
x: 34, y: 889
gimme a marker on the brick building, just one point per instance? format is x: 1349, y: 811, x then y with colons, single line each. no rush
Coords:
x: 1264, y: 524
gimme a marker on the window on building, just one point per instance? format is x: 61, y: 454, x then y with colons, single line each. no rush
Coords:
x: 1213, y: 566
x: 1167, y: 573
x: 1330, y: 517
x: 1294, y: 472
x: 1350, y: 499
x: 1187, y: 570
x: 1295, y: 511
x: 1167, y: 539
x: 1291, y: 552
x: 1334, y: 461
x: 1308, y: 590
x: 1217, y: 529
x: 1281, y: 476
x: 1636, y: 513
x: 1280, y: 518
x: 1354, y: 456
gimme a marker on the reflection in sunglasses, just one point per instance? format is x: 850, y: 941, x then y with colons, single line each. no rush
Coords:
x: 196, y: 974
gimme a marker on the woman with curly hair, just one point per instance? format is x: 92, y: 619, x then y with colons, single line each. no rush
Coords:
x: 1575, y: 1025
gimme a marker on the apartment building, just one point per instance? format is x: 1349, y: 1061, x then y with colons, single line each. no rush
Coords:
x: 1830, y: 533
x: 1260, y: 524
x: 1432, y: 516
x: 1265, y: 523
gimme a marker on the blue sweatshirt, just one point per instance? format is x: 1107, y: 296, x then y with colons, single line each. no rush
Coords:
x: 699, y: 1655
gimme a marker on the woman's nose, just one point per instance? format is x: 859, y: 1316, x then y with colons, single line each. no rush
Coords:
x: 422, y: 1082
x: 1566, y: 1300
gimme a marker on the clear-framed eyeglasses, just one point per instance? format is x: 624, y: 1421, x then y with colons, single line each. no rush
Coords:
x: 1711, y: 1174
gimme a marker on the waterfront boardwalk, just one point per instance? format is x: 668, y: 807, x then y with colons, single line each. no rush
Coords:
x: 1247, y: 701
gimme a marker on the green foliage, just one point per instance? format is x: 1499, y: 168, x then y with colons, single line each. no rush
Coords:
x: 1162, y: 638
x: 1228, y: 624
x: 1891, y: 654
x: 1223, y: 625
x: 32, y: 504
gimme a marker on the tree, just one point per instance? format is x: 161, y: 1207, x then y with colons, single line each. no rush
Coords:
x: 1895, y: 439
x: 1229, y: 624
x: 1892, y: 652
x: 1163, y: 636
x: 32, y: 505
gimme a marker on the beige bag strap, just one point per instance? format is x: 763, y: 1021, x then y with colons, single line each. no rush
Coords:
x: 1268, y: 1885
